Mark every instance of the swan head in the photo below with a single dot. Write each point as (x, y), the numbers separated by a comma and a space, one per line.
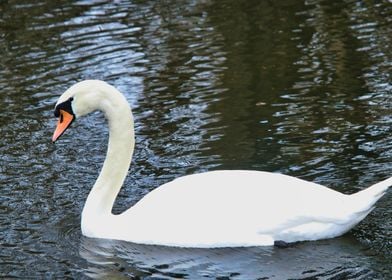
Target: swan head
(79, 100)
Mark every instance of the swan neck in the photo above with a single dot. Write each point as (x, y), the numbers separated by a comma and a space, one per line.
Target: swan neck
(118, 157)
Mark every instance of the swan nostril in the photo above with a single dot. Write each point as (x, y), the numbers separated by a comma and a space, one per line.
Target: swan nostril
(61, 118)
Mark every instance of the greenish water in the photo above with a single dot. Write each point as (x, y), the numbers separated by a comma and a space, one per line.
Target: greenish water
(297, 87)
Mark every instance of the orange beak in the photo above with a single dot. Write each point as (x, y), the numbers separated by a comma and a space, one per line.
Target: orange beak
(63, 123)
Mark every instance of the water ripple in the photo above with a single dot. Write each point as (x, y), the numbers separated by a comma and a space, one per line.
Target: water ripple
(299, 87)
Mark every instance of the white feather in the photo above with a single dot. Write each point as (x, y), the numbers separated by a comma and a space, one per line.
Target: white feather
(212, 209)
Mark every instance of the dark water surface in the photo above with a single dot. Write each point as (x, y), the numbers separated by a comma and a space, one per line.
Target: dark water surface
(298, 87)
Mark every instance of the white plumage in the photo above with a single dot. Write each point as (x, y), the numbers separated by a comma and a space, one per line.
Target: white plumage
(212, 209)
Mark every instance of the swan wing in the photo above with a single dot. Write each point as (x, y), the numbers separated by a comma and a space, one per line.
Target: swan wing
(232, 205)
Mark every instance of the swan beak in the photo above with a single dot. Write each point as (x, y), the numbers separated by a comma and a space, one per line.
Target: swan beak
(65, 120)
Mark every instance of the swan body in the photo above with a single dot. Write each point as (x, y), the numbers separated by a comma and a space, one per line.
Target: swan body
(228, 208)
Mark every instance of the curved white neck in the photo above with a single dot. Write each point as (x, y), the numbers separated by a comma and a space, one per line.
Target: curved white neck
(118, 158)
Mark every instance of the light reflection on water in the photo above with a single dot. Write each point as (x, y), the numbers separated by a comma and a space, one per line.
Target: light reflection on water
(301, 88)
(333, 258)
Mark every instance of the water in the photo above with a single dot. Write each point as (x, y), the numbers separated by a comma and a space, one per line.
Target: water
(302, 88)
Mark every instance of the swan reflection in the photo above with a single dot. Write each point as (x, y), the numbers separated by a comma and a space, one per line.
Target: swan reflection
(344, 257)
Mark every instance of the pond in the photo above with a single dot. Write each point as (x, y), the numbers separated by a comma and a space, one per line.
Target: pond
(296, 87)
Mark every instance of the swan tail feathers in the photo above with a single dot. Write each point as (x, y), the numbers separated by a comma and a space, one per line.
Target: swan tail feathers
(365, 199)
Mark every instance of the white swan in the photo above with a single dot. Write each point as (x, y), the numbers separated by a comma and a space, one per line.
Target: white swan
(212, 209)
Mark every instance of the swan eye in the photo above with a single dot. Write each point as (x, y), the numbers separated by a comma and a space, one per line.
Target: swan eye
(65, 106)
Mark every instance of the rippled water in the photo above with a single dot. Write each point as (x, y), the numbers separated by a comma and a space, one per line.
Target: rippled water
(298, 87)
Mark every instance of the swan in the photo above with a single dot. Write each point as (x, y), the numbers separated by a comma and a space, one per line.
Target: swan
(227, 208)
